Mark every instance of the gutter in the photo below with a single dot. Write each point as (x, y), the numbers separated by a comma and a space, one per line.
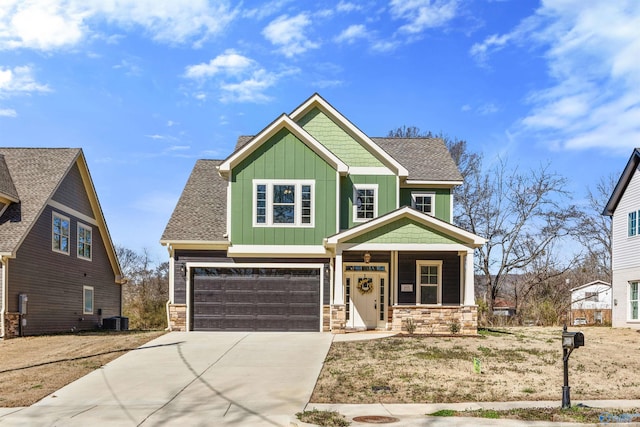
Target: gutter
(3, 303)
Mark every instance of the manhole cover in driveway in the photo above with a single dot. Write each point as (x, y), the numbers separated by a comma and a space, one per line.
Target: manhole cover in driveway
(376, 419)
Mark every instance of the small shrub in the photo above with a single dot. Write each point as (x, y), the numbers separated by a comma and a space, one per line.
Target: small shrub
(410, 326)
(454, 327)
(323, 418)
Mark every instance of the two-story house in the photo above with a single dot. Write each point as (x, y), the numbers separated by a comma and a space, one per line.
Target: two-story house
(591, 304)
(58, 268)
(624, 209)
(312, 225)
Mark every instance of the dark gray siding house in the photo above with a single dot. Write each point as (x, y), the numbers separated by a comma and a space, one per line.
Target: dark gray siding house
(59, 269)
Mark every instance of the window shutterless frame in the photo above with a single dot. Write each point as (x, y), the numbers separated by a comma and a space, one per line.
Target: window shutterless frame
(424, 202)
(60, 233)
(85, 242)
(365, 202)
(283, 203)
(87, 300)
(633, 301)
(429, 282)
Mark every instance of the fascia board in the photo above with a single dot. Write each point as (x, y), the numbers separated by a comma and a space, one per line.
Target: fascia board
(282, 122)
(317, 101)
(622, 184)
(195, 244)
(443, 184)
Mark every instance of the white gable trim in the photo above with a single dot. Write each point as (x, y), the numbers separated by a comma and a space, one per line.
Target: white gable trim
(317, 101)
(283, 122)
(428, 220)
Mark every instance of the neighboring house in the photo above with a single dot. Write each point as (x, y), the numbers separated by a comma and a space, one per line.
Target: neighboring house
(591, 304)
(59, 270)
(503, 307)
(624, 209)
(312, 225)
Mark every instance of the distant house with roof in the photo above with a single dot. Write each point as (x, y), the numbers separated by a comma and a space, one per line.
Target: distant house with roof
(58, 266)
(624, 209)
(591, 304)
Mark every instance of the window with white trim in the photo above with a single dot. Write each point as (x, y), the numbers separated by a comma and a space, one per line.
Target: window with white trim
(633, 300)
(365, 202)
(424, 202)
(429, 280)
(633, 224)
(283, 203)
(60, 233)
(85, 242)
(87, 300)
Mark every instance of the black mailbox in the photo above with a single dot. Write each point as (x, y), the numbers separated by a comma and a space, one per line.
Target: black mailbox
(572, 340)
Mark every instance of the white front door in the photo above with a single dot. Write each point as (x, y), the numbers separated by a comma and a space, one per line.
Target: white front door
(365, 295)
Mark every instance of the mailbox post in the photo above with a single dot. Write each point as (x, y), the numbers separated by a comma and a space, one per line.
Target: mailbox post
(570, 341)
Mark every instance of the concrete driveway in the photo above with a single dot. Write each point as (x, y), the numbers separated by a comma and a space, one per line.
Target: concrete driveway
(191, 379)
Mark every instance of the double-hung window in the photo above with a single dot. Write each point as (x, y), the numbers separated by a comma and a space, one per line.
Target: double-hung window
(365, 202)
(429, 278)
(85, 242)
(60, 233)
(633, 300)
(87, 300)
(424, 202)
(633, 224)
(283, 203)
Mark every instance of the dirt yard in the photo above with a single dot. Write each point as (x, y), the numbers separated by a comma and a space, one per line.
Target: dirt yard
(516, 364)
(34, 367)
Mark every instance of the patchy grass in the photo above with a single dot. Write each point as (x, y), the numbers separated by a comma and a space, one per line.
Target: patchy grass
(516, 364)
(323, 418)
(34, 367)
(576, 414)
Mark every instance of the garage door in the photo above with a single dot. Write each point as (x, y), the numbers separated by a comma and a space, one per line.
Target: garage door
(256, 299)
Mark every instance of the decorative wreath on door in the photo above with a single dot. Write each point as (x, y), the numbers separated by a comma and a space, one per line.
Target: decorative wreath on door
(365, 285)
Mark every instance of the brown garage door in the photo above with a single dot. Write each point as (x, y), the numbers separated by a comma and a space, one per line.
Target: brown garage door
(256, 299)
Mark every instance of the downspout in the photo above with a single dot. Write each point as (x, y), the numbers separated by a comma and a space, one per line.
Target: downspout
(171, 285)
(3, 303)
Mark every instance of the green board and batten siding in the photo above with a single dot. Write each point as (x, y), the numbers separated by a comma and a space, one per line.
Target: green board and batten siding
(403, 231)
(386, 195)
(339, 142)
(285, 157)
(443, 200)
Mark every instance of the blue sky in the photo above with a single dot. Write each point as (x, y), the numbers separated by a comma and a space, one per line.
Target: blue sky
(146, 87)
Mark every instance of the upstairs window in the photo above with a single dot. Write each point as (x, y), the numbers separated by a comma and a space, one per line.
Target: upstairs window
(591, 296)
(60, 233)
(424, 202)
(365, 202)
(283, 203)
(85, 242)
(633, 223)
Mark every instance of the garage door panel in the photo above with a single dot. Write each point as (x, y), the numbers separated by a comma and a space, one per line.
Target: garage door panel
(278, 300)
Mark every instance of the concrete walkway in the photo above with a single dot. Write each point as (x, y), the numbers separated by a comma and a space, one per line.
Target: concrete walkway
(191, 379)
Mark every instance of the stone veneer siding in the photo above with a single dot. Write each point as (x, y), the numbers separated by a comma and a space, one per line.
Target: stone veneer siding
(12, 325)
(178, 317)
(338, 318)
(436, 320)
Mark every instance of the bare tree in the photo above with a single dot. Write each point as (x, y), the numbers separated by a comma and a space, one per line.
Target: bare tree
(522, 216)
(147, 289)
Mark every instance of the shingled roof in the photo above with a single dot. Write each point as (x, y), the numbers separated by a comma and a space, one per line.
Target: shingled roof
(36, 174)
(201, 212)
(426, 159)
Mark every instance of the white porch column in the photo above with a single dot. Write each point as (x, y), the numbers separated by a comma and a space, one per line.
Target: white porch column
(338, 292)
(469, 297)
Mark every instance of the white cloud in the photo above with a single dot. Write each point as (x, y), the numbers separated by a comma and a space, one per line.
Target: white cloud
(345, 6)
(47, 25)
(423, 14)
(252, 89)
(19, 80)
(8, 112)
(288, 33)
(352, 33)
(229, 62)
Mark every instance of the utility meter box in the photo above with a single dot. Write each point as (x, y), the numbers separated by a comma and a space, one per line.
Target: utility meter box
(572, 339)
(22, 304)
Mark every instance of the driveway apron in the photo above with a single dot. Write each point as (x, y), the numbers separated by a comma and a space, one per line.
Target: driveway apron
(192, 379)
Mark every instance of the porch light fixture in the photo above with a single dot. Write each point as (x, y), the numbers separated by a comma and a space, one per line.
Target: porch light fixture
(367, 257)
(183, 270)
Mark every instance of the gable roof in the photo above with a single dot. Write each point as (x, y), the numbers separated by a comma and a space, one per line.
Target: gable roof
(37, 173)
(282, 122)
(623, 182)
(426, 159)
(595, 282)
(201, 212)
(316, 101)
(7, 188)
(429, 221)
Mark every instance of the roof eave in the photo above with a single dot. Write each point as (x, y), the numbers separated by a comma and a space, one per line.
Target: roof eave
(621, 186)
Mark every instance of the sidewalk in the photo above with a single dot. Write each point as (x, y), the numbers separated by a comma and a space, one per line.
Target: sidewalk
(411, 415)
